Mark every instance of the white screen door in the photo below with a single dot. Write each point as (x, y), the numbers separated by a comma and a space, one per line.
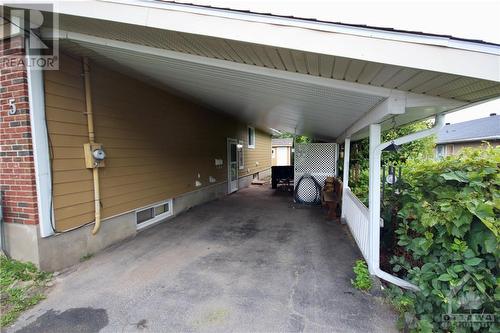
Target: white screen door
(232, 165)
(282, 156)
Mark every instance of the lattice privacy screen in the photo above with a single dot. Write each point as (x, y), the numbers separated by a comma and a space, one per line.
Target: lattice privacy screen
(316, 159)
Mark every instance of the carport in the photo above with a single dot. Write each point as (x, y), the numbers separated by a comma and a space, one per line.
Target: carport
(332, 81)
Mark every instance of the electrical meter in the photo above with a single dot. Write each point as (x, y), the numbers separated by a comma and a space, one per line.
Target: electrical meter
(94, 155)
(99, 154)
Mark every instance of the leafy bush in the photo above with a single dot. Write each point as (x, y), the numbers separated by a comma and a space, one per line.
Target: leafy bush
(363, 280)
(449, 239)
(360, 187)
(416, 150)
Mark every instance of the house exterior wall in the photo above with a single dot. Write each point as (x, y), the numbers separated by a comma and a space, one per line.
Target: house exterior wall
(256, 159)
(450, 149)
(156, 144)
(17, 168)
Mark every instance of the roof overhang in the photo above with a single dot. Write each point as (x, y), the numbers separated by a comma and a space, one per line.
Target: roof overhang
(400, 49)
(264, 97)
(324, 80)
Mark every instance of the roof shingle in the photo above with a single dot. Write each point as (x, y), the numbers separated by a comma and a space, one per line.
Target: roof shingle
(282, 142)
(472, 130)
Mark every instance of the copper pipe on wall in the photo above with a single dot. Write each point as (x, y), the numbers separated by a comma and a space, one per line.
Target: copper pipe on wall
(90, 125)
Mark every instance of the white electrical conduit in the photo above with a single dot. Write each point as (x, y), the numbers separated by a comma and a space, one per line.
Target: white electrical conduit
(90, 124)
(375, 165)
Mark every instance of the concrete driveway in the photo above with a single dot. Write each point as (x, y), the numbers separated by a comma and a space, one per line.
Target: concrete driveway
(251, 262)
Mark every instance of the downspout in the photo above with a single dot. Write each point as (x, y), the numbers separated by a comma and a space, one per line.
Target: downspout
(375, 165)
(3, 248)
(90, 124)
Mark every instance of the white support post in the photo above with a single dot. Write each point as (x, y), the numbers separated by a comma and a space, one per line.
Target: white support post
(337, 154)
(374, 199)
(347, 153)
(345, 178)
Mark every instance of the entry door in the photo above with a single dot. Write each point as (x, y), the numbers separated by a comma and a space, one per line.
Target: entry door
(282, 156)
(232, 165)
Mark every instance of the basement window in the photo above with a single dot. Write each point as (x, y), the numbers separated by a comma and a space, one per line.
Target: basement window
(144, 215)
(251, 137)
(153, 214)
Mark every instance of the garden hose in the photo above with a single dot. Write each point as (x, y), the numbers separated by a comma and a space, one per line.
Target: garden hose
(317, 188)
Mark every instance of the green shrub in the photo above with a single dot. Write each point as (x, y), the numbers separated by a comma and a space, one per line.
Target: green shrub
(416, 150)
(363, 280)
(449, 233)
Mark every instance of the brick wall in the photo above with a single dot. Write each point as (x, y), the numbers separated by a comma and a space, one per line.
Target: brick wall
(17, 169)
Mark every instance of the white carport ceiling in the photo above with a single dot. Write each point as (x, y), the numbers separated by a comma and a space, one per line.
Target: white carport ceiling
(371, 73)
(263, 101)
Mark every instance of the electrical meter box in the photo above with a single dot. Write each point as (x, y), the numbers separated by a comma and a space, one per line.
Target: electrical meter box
(94, 155)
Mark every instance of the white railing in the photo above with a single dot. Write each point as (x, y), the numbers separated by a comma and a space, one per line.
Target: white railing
(357, 217)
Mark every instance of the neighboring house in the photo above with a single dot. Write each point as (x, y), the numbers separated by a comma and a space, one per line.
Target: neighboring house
(281, 151)
(452, 138)
(159, 106)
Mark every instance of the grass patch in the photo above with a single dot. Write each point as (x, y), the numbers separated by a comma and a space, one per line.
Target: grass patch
(86, 257)
(21, 287)
(363, 280)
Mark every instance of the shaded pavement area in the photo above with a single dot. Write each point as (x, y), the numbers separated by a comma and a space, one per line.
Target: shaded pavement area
(250, 262)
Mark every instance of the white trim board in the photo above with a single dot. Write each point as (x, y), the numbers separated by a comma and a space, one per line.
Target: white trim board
(373, 32)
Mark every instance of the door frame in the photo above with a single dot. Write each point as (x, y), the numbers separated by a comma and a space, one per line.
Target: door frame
(229, 188)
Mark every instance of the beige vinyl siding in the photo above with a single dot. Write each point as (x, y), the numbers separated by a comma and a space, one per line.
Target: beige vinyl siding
(261, 154)
(459, 146)
(156, 143)
(456, 147)
(67, 126)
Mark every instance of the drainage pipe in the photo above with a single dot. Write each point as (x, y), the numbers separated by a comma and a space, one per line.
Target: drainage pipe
(3, 247)
(375, 165)
(90, 124)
